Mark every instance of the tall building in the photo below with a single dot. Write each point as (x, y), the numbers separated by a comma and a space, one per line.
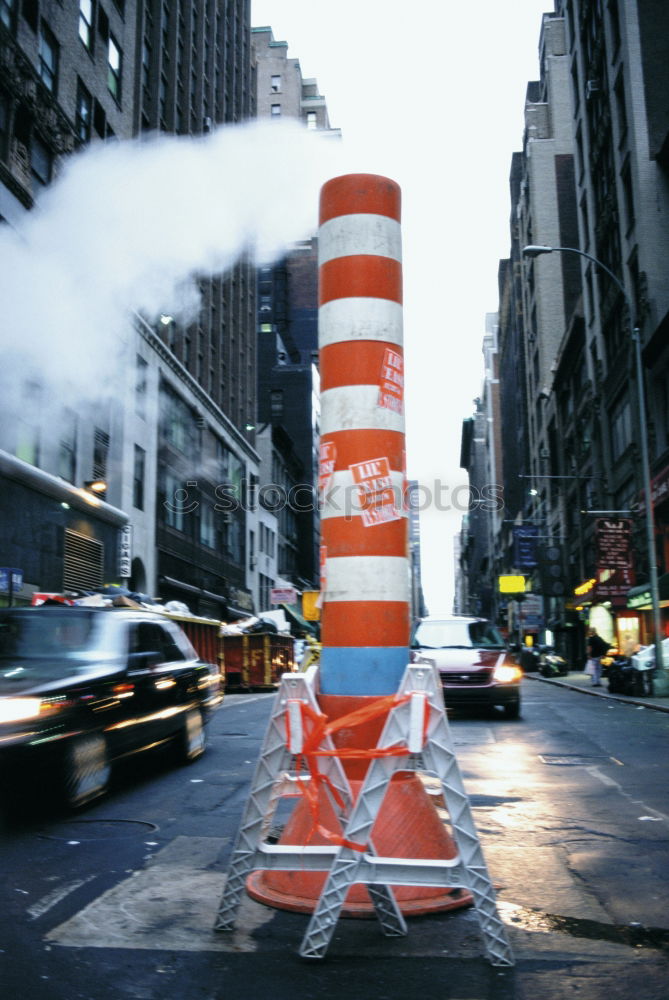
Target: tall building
(175, 444)
(592, 177)
(288, 382)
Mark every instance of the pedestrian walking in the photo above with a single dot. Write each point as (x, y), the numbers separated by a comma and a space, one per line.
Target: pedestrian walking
(596, 648)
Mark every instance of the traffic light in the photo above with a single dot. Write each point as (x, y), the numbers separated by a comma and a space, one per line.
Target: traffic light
(551, 570)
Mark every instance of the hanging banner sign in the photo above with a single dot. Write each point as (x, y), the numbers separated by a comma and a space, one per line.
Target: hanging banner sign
(125, 552)
(391, 383)
(375, 491)
(326, 466)
(614, 543)
(525, 541)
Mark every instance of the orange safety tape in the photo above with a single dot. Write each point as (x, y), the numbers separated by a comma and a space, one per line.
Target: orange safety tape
(314, 735)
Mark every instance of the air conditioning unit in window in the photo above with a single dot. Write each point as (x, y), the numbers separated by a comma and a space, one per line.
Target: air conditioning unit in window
(591, 87)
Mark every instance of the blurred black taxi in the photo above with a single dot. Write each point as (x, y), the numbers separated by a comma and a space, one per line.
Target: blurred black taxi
(82, 687)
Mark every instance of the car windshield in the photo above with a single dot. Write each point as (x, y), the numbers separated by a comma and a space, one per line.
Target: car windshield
(43, 642)
(457, 635)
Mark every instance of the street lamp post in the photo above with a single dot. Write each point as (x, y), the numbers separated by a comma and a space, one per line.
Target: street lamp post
(661, 676)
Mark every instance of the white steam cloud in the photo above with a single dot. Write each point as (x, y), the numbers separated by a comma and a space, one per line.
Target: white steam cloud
(127, 225)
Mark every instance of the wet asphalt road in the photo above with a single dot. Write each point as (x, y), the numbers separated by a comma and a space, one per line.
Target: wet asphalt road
(571, 804)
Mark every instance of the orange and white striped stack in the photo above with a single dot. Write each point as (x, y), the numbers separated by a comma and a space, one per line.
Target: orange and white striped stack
(364, 556)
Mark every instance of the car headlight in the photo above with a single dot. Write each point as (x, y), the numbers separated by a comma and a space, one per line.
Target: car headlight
(19, 709)
(24, 709)
(505, 674)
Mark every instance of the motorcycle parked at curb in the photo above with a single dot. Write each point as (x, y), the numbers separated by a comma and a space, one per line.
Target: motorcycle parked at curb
(551, 664)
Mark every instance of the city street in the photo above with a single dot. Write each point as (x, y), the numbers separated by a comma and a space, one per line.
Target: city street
(572, 810)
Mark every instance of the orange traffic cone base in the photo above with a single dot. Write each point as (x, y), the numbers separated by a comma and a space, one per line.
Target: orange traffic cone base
(407, 826)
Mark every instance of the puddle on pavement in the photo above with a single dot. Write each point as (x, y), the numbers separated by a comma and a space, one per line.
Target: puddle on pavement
(632, 935)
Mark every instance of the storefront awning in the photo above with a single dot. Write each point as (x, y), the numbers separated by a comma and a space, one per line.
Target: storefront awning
(295, 618)
(639, 597)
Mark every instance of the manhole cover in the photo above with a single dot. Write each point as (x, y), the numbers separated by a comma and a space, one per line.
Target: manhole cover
(573, 759)
(99, 829)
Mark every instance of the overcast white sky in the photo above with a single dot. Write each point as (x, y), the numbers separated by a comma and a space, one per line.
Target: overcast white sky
(430, 93)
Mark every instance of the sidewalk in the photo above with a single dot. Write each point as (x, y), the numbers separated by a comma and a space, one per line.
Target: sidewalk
(579, 681)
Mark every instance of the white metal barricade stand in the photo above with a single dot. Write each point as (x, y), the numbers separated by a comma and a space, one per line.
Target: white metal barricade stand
(417, 722)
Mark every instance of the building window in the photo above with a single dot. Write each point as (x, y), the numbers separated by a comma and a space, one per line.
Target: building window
(141, 384)
(276, 110)
(173, 507)
(615, 25)
(4, 125)
(86, 23)
(312, 120)
(83, 113)
(146, 64)
(41, 160)
(276, 403)
(662, 402)
(207, 528)
(8, 13)
(27, 441)
(621, 428)
(139, 472)
(114, 63)
(67, 449)
(276, 83)
(100, 454)
(48, 58)
(628, 195)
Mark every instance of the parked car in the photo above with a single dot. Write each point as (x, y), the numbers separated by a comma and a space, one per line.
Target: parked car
(475, 665)
(82, 687)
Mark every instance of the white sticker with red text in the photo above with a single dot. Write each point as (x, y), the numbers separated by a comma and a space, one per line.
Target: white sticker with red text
(326, 467)
(391, 382)
(376, 494)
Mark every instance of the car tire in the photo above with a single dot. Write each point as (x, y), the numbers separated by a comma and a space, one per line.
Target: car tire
(86, 769)
(192, 738)
(512, 710)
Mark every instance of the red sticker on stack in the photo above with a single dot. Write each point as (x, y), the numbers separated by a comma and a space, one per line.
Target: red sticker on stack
(323, 562)
(326, 467)
(375, 491)
(391, 382)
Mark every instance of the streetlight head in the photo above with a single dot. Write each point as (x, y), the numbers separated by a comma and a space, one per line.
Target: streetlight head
(536, 251)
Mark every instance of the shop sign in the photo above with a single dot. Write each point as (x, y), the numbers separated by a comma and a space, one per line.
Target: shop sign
(511, 584)
(525, 542)
(125, 552)
(614, 543)
(11, 580)
(531, 614)
(613, 585)
(637, 601)
(283, 595)
(311, 605)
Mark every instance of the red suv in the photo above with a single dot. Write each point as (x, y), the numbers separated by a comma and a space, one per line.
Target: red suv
(473, 660)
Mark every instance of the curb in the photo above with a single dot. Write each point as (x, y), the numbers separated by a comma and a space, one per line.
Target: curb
(623, 699)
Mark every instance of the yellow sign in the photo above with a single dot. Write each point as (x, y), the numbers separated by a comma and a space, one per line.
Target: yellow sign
(584, 588)
(511, 584)
(311, 611)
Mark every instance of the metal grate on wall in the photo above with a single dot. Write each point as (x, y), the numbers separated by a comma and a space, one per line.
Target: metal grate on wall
(83, 562)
